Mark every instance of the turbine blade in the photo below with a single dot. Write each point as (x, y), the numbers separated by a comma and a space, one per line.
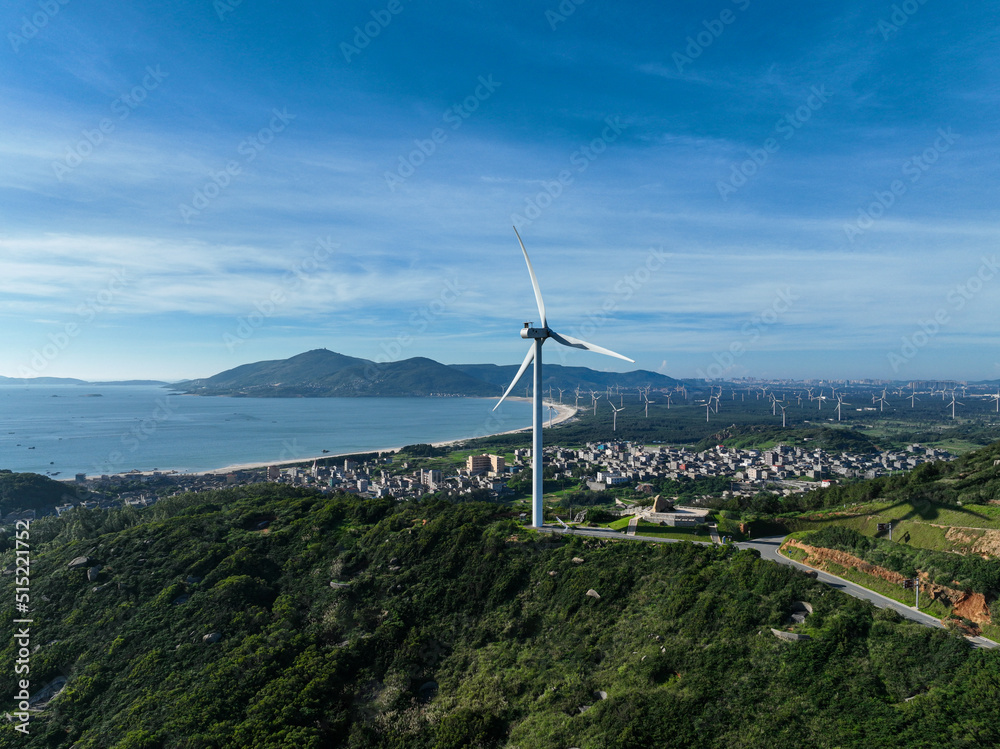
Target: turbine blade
(534, 280)
(524, 366)
(566, 340)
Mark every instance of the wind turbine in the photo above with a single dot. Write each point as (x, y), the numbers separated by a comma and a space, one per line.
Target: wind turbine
(952, 404)
(997, 399)
(840, 402)
(614, 427)
(782, 407)
(648, 401)
(538, 336)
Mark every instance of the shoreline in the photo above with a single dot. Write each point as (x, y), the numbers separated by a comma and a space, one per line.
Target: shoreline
(563, 413)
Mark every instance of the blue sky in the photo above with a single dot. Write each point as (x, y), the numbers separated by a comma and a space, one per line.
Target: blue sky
(731, 188)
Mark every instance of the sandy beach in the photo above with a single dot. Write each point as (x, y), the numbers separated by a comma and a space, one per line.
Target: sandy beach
(562, 414)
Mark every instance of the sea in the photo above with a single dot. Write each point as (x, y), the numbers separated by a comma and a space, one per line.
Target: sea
(63, 430)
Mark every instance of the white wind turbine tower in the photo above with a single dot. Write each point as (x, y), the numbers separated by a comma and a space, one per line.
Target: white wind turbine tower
(596, 398)
(538, 336)
(913, 397)
(997, 399)
(648, 401)
(552, 412)
(577, 397)
(952, 404)
(840, 402)
(614, 427)
(782, 407)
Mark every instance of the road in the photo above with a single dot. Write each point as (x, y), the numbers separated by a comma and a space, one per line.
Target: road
(768, 547)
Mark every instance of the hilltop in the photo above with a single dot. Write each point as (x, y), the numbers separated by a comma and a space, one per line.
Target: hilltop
(276, 617)
(324, 373)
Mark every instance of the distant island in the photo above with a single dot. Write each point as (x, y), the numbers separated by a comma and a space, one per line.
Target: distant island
(324, 373)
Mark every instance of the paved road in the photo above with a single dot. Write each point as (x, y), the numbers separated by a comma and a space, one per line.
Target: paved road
(768, 549)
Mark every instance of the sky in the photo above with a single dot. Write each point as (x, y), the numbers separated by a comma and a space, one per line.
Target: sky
(736, 188)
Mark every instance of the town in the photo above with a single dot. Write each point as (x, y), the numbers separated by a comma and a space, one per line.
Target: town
(783, 470)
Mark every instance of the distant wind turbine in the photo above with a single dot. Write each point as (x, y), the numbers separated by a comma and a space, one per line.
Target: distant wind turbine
(538, 336)
(614, 427)
(952, 404)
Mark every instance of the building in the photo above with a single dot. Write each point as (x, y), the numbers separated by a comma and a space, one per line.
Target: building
(485, 464)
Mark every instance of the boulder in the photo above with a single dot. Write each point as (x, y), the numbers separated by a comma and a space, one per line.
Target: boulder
(577, 560)
(93, 572)
(594, 594)
(212, 638)
(789, 636)
(79, 562)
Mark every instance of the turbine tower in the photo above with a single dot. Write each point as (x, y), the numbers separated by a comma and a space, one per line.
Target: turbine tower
(538, 336)
(614, 428)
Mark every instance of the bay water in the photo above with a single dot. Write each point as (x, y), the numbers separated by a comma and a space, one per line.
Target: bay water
(62, 430)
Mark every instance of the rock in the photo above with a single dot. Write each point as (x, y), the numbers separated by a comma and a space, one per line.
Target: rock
(577, 560)
(552, 573)
(601, 695)
(802, 606)
(339, 585)
(594, 594)
(79, 562)
(213, 638)
(790, 636)
(93, 572)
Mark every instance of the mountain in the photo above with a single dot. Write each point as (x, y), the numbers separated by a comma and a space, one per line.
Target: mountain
(324, 373)
(71, 381)
(568, 378)
(41, 381)
(268, 616)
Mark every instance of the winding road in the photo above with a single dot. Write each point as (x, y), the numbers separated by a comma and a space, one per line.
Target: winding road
(768, 547)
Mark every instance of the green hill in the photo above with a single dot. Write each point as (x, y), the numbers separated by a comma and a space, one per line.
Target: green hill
(329, 374)
(31, 491)
(326, 373)
(272, 617)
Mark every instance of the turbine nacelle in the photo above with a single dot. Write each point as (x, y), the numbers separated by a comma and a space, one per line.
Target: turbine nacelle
(527, 332)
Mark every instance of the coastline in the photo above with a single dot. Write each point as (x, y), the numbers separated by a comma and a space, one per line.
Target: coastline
(563, 413)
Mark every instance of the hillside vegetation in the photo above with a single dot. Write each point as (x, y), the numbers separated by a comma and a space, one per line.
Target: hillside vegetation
(451, 626)
(31, 491)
